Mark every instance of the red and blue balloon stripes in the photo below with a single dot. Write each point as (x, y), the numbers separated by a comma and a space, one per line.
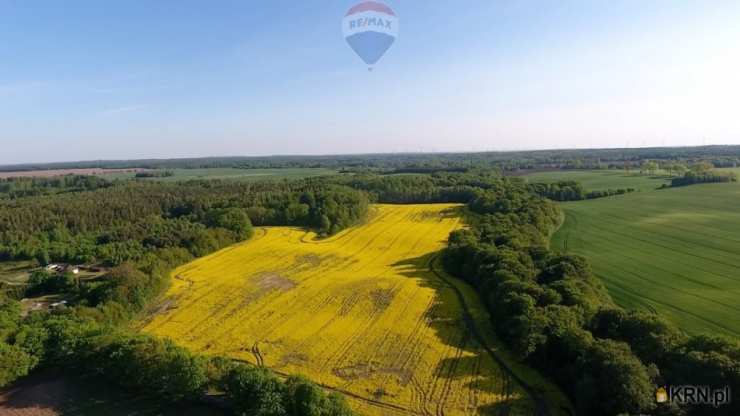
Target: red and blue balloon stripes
(370, 28)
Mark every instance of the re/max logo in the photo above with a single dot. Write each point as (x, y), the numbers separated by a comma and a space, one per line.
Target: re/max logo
(371, 22)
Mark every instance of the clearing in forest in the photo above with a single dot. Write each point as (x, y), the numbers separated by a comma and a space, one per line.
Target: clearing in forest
(361, 313)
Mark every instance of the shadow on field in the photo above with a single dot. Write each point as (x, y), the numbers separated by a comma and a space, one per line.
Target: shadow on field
(514, 405)
(455, 326)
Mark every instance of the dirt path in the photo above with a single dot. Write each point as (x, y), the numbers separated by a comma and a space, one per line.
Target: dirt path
(51, 173)
(541, 408)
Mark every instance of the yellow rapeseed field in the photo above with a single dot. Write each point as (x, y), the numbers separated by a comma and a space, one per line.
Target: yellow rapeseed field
(360, 313)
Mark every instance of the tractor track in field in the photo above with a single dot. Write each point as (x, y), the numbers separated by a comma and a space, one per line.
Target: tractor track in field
(258, 354)
(671, 306)
(189, 282)
(667, 247)
(449, 377)
(541, 408)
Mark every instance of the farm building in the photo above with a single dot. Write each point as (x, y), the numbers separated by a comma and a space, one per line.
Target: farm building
(62, 268)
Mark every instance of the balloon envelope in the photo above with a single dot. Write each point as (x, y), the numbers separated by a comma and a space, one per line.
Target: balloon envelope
(370, 29)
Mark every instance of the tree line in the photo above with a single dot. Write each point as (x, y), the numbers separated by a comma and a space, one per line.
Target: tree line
(572, 191)
(710, 176)
(559, 318)
(154, 174)
(150, 366)
(129, 220)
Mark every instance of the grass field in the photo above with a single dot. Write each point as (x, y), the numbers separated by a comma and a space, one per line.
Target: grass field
(597, 180)
(16, 272)
(360, 313)
(673, 251)
(234, 174)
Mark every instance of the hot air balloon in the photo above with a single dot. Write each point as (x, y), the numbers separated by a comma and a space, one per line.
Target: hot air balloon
(370, 28)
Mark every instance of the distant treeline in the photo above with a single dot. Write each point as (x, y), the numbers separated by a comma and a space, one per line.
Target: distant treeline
(455, 187)
(155, 174)
(428, 169)
(712, 176)
(719, 156)
(572, 191)
(408, 189)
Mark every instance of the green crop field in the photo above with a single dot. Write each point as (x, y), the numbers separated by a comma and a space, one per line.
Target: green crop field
(673, 251)
(234, 174)
(597, 180)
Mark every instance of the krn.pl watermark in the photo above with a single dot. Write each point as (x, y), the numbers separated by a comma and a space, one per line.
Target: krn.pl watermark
(694, 395)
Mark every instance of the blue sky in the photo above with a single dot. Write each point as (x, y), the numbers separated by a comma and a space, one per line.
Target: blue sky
(86, 80)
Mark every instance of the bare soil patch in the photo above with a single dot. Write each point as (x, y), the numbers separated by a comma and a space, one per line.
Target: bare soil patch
(364, 370)
(51, 394)
(274, 281)
(64, 172)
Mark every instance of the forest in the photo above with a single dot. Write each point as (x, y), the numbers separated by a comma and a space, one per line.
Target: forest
(710, 176)
(572, 191)
(125, 222)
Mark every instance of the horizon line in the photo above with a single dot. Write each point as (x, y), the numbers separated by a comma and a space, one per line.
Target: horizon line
(327, 155)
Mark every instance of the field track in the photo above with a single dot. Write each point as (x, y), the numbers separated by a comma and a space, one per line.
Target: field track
(363, 313)
(541, 406)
